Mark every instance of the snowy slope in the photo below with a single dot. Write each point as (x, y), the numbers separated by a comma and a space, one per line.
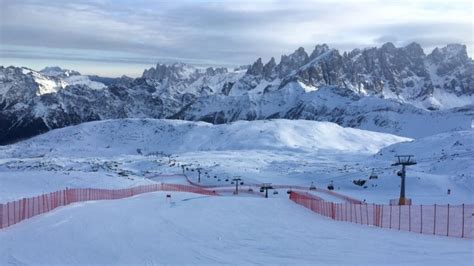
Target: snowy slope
(115, 137)
(121, 153)
(192, 229)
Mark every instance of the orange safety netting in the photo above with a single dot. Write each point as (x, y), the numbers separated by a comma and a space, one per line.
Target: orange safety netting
(445, 220)
(17, 211)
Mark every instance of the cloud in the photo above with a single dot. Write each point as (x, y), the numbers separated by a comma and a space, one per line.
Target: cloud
(225, 32)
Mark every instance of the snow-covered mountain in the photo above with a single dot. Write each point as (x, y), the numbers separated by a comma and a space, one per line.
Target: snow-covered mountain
(125, 136)
(386, 89)
(389, 89)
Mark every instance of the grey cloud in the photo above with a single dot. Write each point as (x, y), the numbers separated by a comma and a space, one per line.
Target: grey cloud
(207, 31)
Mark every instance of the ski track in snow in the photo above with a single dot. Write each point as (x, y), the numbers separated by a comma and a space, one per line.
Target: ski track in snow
(215, 230)
(222, 230)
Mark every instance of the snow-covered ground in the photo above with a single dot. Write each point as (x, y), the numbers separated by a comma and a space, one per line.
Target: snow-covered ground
(122, 153)
(194, 229)
(148, 229)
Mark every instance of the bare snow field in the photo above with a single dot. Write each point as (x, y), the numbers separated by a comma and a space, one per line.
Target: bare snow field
(249, 229)
(123, 153)
(194, 229)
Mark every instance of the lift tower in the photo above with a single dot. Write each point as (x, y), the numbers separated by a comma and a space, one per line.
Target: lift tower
(199, 174)
(265, 187)
(237, 180)
(403, 160)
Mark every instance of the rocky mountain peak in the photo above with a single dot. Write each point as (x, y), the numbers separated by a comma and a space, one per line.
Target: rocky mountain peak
(323, 86)
(288, 63)
(55, 71)
(451, 52)
(210, 71)
(268, 69)
(414, 50)
(388, 47)
(319, 50)
(256, 68)
(172, 72)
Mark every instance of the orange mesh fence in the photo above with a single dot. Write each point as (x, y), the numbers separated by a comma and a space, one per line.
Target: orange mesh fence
(17, 211)
(444, 220)
(325, 191)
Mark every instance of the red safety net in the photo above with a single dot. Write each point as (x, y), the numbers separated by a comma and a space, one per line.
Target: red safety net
(17, 211)
(445, 220)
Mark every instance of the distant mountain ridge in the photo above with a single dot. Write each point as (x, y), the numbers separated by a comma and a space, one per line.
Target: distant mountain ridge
(388, 89)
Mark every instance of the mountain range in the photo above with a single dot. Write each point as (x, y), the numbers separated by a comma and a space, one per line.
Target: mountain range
(401, 91)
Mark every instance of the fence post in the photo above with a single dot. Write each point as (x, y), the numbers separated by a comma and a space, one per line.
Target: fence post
(390, 224)
(462, 230)
(1, 215)
(409, 218)
(367, 212)
(421, 215)
(373, 214)
(399, 216)
(381, 218)
(447, 226)
(434, 221)
(332, 211)
(24, 208)
(8, 213)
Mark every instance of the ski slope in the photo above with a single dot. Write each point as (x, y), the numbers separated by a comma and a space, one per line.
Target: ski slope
(194, 229)
(124, 153)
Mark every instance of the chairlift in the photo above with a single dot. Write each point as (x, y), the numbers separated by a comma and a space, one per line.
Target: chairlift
(219, 180)
(275, 192)
(250, 189)
(241, 183)
(288, 192)
(261, 189)
(227, 180)
(373, 175)
(232, 183)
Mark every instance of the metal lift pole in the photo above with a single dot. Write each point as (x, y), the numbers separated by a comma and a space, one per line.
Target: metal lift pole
(236, 179)
(403, 160)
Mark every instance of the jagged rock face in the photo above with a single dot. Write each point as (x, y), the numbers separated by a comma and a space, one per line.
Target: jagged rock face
(319, 50)
(27, 109)
(455, 69)
(375, 89)
(17, 88)
(25, 112)
(269, 69)
(291, 62)
(58, 72)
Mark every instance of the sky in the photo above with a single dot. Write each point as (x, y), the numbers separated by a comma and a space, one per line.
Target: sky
(117, 37)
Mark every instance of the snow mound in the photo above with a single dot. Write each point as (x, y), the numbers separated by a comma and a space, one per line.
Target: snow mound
(447, 153)
(144, 136)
